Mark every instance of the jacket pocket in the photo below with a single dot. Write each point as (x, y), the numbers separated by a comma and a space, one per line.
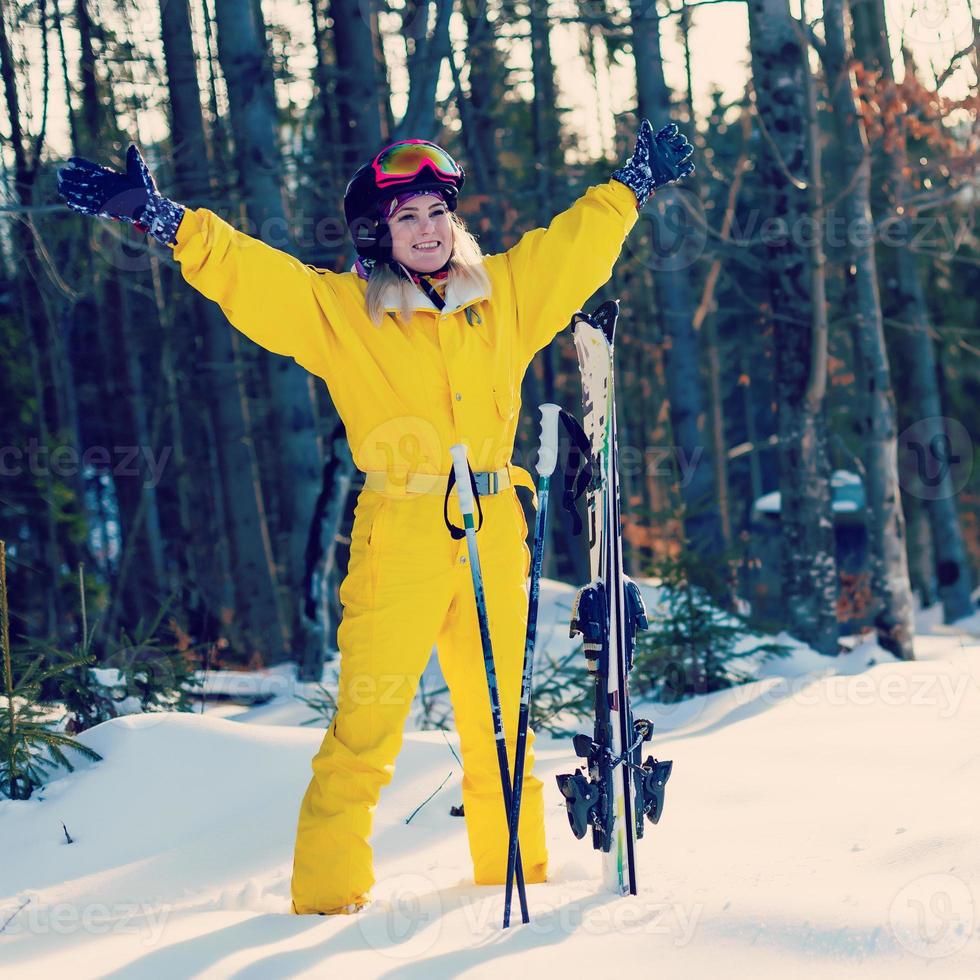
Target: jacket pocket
(367, 539)
(506, 394)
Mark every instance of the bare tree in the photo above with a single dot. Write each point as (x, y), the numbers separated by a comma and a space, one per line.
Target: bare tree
(45, 315)
(427, 51)
(252, 109)
(359, 89)
(952, 567)
(703, 318)
(886, 522)
(360, 123)
(675, 301)
(92, 111)
(809, 573)
(478, 108)
(236, 481)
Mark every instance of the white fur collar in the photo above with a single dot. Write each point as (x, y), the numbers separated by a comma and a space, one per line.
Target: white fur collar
(458, 296)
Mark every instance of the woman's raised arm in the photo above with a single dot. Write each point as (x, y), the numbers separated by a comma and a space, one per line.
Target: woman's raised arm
(556, 269)
(270, 296)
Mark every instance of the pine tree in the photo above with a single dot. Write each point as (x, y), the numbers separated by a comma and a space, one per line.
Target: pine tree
(29, 743)
(693, 645)
(152, 671)
(86, 700)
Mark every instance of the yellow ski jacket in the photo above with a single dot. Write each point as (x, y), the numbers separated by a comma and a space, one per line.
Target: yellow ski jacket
(407, 391)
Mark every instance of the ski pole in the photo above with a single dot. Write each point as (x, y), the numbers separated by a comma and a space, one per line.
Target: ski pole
(547, 457)
(464, 489)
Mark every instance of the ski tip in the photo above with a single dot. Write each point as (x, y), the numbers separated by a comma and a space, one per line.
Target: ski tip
(603, 318)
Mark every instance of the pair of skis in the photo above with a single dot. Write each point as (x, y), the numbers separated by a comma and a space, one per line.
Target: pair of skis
(617, 790)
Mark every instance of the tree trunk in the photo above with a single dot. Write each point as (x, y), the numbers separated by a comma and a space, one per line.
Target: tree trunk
(809, 574)
(258, 621)
(328, 125)
(921, 564)
(139, 588)
(885, 520)
(480, 130)
(252, 108)
(952, 567)
(703, 318)
(92, 112)
(220, 144)
(676, 304)
(424, 65)
(363, 123)
(65, 80)
(546, 134)
(51, 367)
(358, 83)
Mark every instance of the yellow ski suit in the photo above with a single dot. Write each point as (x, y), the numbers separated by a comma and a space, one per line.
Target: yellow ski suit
(406, 392)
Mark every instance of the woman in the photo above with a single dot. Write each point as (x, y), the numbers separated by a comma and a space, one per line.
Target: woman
(422, 345)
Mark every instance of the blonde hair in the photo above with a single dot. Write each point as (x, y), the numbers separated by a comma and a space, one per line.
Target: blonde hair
(465, 268)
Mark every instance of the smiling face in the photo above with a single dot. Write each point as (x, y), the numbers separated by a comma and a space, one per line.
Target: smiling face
(422, 234)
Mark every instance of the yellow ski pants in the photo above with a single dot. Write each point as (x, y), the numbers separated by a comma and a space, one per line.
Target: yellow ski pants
(408, 588)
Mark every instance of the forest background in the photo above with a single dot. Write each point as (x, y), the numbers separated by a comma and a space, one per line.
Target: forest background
(798, 355)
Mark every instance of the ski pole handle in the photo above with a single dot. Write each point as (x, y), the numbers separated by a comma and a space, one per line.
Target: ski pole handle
(548, 453)
(464, 488)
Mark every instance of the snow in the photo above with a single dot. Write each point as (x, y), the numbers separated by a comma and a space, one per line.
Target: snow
(847, 495)
(821, 818)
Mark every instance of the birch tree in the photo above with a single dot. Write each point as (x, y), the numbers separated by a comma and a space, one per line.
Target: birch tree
(909, 300)
(885, 520)
(809, 573)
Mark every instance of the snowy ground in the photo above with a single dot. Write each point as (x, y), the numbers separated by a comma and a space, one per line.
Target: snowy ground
(822, 818)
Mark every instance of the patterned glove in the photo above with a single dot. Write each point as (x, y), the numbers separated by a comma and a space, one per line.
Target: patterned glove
(131, 197)
(656, 160)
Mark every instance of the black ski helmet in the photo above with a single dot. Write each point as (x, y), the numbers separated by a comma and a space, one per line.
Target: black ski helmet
(437, 172)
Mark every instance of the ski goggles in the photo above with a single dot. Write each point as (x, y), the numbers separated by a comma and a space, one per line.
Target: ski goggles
(403, 161)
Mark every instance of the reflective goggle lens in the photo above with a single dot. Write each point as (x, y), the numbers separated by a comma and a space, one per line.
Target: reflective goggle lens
(407, 159)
